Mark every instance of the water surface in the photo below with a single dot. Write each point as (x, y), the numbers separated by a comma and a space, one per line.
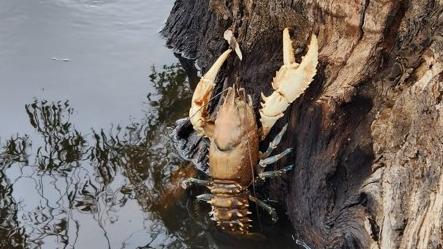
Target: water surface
(96, 53)
(88, 96)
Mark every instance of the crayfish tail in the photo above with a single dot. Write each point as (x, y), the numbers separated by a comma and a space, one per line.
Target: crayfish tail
(230, 208)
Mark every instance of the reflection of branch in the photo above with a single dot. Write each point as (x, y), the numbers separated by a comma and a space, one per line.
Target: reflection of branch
(14, 151)
(63, 144)
(12, 235)
(91, 169)
(100, 224)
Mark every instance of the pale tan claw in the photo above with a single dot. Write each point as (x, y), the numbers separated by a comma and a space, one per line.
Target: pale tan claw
(232, 41)
(198, 114)
(289, 83)
(288, 51)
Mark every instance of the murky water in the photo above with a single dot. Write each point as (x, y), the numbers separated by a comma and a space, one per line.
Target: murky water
(85, 156)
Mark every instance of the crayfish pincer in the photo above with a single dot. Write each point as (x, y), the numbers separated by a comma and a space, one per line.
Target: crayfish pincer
(235, 161)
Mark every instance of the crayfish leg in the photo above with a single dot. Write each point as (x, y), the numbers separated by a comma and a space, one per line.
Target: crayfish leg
(275, 142)
(270, 160)
(194, 181)
(275, 173)
(205, 197)
(271, 211)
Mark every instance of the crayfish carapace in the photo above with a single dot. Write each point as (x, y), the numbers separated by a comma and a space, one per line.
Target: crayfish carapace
(235, 161)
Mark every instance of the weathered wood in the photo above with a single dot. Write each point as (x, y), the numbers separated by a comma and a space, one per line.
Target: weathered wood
(368, 134)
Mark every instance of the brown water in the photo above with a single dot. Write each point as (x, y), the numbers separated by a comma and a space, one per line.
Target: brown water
(86, 159)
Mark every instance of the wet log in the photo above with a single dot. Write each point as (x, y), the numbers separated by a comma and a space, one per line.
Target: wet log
(368, 134)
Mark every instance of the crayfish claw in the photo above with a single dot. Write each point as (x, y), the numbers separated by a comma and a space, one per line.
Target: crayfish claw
(232, 41)
(288, 50)
(289, 83)
(215, 68)
(198, 113)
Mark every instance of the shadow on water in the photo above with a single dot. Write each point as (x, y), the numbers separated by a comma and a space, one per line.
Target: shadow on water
(114, 188)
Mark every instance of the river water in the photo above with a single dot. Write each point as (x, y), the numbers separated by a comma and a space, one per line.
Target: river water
(88, 96)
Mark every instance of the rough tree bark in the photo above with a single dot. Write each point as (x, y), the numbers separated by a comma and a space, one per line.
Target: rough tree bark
(368, 134)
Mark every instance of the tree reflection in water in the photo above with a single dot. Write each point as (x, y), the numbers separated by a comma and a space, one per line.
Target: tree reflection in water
(115, 188)
(11, 234)
(49, 191)
(63, 145)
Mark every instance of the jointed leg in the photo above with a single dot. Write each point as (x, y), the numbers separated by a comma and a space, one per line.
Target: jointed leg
(271, 211)
(194, 181)
(280, 172)
(204, 197)
(302, 243)
(266, 161)
(274, 143)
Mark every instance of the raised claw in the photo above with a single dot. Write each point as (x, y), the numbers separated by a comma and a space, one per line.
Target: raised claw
(198, 113)
(232, 41)
(289, 83)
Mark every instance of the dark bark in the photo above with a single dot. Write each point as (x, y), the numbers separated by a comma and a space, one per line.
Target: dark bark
(368, 133)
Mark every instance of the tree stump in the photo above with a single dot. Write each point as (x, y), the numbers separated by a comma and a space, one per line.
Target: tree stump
(368, 134)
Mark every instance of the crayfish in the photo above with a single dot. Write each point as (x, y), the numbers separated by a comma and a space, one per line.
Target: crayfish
(235, 161)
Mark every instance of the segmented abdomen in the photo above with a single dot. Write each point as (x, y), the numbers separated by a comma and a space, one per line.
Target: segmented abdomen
(230, 204)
